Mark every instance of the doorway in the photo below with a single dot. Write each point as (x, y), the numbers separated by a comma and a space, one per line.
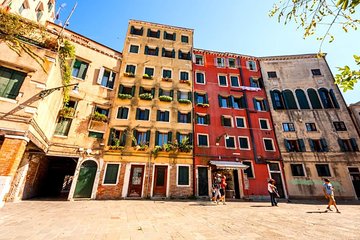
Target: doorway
(203, 181)
(275, 173)
(236, 184)
(160, 180)
(136, 180)
(355, 178)
(86, 178)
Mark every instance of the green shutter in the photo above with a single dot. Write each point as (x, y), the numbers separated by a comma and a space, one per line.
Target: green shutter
(178, 95)
(354, 144)
(174, 36)
(220, 102)
(156, 138)
(180, 54)
(171, 93)
(158, 34)
(160, 92)
(178, 136)
(173, 53)
(222, 120)
(167, 115)
(341, 144)
(146, 52)
(135, 139)
(190, 138)
(158, 115)
(137, 114)
(207, 117)
(148, 137)
(111, 135)
(123, 139)
(311, 143)
(157, 51)
(169, 136)
(286, 143)
(272, 93)
(147, 112)
(190, 96)
(206, 98)
(189, 117)
(302, 145)
(121, 89)
(163, 52)
(324, 145)
(254, 101)
(231, 101)
(153, 92)
(196, 97)
(141, 90)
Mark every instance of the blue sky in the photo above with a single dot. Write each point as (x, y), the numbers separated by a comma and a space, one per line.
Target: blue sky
(227, 25)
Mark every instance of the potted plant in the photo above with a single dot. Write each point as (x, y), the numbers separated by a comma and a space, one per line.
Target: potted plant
(204, 105)
(116, 145)
(166, 79)
(124, 96)
(147, 76)
(156, 150)
(99, 117)
(185, 101)
(67, 112)
(146, 96)
(184, 145)
(129, 74)
(185, 81)
(141, 147)
(165, 98)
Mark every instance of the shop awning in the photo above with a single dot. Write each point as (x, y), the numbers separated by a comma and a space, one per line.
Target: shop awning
(228, 165)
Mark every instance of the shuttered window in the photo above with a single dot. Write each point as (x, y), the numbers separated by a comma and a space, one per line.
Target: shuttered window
(183, 175)
(111, 173)
(10, 82)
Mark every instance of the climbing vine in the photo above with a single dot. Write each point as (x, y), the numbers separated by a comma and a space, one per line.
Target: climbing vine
(66, 56)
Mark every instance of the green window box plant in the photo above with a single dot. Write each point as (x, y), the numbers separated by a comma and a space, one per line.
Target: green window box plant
(165, 98)
(146, 96)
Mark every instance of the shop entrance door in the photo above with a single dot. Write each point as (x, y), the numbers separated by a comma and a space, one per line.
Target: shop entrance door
(355, 178)
(160, 180)
(85, 181)
(275, 173)
(203, 181)
(136, 181)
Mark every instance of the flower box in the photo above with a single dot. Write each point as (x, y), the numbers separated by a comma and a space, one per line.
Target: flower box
(98, 126)
(116, 148)
(129, 74)
(165, 98)
(124, 96)
(185, 81)
(185, 101)
(67, 112)
(146, 76)
(204, 105)
(167, 79)
(99, 117)
(146, 96)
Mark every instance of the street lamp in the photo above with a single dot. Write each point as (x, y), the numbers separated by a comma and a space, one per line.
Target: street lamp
(40, 95)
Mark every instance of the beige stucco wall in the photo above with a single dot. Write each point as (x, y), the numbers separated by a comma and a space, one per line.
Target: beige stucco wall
(355, 111)
(293, 73)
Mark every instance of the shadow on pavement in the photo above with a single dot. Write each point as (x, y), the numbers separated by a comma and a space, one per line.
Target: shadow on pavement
(318, 212)
(260, 206)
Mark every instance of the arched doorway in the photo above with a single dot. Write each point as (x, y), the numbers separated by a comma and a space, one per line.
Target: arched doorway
(85, 181)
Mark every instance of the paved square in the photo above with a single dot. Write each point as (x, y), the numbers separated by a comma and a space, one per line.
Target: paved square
(126, 219)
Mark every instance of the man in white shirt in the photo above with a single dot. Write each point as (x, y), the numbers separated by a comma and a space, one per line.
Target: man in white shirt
(329, 194)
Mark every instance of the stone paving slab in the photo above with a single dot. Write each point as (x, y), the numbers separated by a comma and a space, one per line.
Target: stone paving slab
(141, 219)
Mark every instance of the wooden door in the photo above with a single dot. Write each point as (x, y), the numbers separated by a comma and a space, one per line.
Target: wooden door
(160, 180)
(355, 178)
(85, 181)
(203, 181)
(136, 181)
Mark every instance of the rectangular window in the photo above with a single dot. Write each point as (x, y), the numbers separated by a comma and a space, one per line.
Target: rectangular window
(136, 31)
(162, 116)
(203, 140)
(272, 74)
(169, 36)
(269, 144)
(294, 145)
(239, 102)
(183, 176)
(184, 117)
(339, 126)
(199, 60)
(200, 78)
(297, 170)
(111, 173)
(310, 127)
(184, 76)
(226, 121)
(127, 90)
(234, 81)
(220, 62)
(169, 53)
(251, 65)
(260, 105)
(184, 39)
(162, 138)
(142, 114)
(10, 82)
(79, 69)
(230, 142)
(222, 80)
(130, 69)
(62, 126)
(117, 138)
(201, 98)
(323, 170)
(255, 83)
(203, 119)
(142, 137)
(288, 127)
(153, 33)
(249, 171)
(240, 122)
(107, 78)
(264, 124)
(97, 135)
(244, 143)
(348, 145)
(152, 51)
(184, 55)
(102, 111)
(134, 49)
(232, 62)
(123, 113)
(316, 72)
(167, 73)
(225, 102)
(318, 145)
(149, 71)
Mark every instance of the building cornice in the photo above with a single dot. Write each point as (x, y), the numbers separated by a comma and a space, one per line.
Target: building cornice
(151, 24)
(227, 54)
(289, 57)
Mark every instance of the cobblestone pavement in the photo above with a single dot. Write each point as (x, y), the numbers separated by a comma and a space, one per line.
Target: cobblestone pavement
(127, 219)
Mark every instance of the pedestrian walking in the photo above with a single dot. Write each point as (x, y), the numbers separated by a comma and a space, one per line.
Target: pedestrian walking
(273, 192)
(222, 189)
(216, 195)
(329, 194)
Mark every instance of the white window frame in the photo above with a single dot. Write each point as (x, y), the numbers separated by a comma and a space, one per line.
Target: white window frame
(252, 169)
(180, 71)
(134, 64)
(169, 69)
(248, 65)
(196, 77)
(223, 62)
(234, 142)
(101, 74)
(267, 123)
(127, 115)
(244, 122)
(82, 60)
(177, 175)
(272, 142)
(203, 115)
(153, 67)
(118, 174)
(144, 108)
(226, 79)
(249, 148)
(203, 61)
(330, 170)
(238, 79)
(303, 166)
(228, 63)
(134, 45)
(231, 120)
(203, 134)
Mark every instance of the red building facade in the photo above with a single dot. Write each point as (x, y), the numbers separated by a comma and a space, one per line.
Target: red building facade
(233, 130)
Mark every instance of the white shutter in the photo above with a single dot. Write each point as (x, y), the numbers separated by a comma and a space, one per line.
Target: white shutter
(101, 74)
(111, 77)
(215, 62)
(247, 65)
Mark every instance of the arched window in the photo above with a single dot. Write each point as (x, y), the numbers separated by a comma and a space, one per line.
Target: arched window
(290, 102)
(333, 99)
(314, 99)
(302, 100)
(277, 99)
(325, 98)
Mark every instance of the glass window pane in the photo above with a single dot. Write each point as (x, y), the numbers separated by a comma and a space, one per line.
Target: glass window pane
(111, 174)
